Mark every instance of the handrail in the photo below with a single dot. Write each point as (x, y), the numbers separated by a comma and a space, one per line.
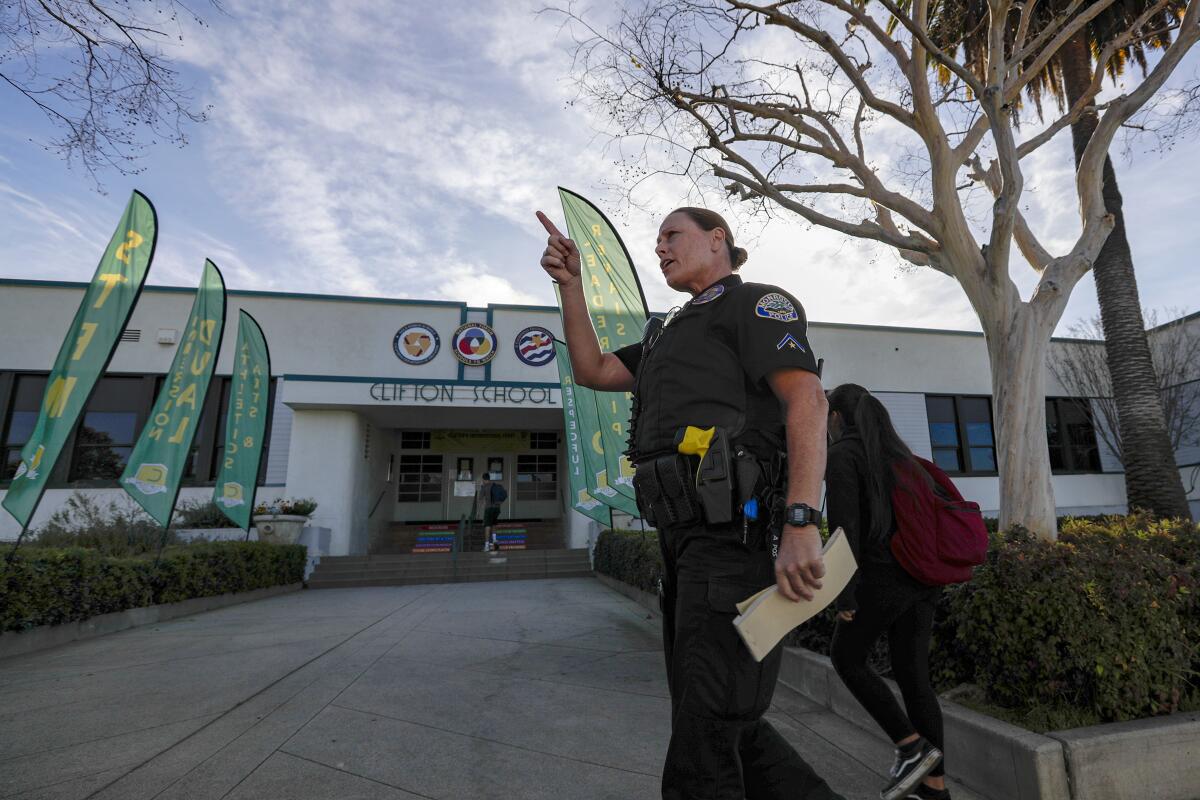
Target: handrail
(375, 507)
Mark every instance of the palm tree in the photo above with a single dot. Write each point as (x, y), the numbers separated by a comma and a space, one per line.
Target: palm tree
(1152, 479)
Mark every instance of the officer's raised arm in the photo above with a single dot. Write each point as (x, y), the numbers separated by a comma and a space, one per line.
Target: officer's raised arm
(592, 367)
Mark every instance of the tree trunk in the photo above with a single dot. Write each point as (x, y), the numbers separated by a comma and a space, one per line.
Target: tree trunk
(1017, 347)
(1152, 480)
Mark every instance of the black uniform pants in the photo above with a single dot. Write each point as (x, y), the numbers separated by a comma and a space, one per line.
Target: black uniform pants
(721, 748)
(892, 603)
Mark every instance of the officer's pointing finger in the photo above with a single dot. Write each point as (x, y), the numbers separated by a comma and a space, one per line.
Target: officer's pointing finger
(549, 226)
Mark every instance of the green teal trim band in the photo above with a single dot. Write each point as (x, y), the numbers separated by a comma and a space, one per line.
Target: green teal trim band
(417, 381)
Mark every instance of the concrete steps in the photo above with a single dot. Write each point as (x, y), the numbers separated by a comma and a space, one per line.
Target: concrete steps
(334, 572)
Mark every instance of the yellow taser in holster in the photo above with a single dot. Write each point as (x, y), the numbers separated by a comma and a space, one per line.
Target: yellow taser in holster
(714, 478)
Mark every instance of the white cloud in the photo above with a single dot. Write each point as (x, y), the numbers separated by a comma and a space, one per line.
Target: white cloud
(478, 288)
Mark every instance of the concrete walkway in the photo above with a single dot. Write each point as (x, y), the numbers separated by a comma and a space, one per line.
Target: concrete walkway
(522, 689)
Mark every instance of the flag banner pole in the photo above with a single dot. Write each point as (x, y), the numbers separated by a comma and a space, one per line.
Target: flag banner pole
(584, 465)
(245, 424)
(85, 353)
(617, 307)
(156, 467)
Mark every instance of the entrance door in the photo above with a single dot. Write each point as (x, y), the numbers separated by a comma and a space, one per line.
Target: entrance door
(464, 483)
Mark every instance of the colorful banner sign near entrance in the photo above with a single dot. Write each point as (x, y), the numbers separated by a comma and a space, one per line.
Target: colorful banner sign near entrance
(107, 305)
(618, 310)
(245, 424)
(160, 457)
(587, 470)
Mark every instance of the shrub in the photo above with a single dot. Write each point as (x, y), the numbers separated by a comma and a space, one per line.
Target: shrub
(50, 586)
(120, 528)
(632, 557)
(200, 514)
(1104, 620)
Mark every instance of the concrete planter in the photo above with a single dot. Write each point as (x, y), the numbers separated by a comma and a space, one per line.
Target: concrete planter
(279, 528)
(1157, 757)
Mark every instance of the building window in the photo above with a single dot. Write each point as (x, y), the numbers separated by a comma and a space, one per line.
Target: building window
(543, 440)
(109, 429)
(419, 479)
(537, 477)
(27, 401)
(224, 386)
(961, 434)
(414, 440)
(1071, 436)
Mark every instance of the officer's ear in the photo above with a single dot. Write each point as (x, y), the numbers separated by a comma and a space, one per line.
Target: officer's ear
(716, 239)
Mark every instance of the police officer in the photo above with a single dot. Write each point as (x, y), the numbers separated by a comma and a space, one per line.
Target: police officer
(735, 357)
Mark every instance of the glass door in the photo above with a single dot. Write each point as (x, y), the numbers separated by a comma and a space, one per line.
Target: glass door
(464, 483)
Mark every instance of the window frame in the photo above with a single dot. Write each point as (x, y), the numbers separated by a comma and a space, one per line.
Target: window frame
(423, 460)
(1085, 406)
(205, 441)
(963, 441)
(533, 491)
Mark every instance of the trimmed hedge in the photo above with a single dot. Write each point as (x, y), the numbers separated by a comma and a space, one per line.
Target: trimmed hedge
(45, 586)
(1102, 625)
(1103, 620)
(631, 557)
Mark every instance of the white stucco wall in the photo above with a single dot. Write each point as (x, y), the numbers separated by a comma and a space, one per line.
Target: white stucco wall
(326, 464)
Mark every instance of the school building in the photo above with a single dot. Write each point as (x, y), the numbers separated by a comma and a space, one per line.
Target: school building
(388, 412)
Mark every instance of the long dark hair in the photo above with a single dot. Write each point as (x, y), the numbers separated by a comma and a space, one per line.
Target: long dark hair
(862, 413)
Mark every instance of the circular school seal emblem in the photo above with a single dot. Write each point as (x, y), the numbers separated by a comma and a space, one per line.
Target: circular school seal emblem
(474, 344)
(534, 346)
(416, 343)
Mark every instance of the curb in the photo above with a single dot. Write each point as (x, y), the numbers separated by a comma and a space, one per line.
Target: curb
(643, 598)
(994, 758)
(17, 643)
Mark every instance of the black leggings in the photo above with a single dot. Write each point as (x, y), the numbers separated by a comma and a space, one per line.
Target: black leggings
(890, 601)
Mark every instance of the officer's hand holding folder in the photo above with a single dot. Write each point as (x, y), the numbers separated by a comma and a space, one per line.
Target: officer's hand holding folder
(765, 618)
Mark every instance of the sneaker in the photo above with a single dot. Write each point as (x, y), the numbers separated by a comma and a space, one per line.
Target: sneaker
(926, 792)
(913, 763)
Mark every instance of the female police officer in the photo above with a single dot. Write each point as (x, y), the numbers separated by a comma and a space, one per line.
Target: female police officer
(735, 357)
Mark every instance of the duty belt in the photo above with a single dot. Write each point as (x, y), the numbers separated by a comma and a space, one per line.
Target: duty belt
(666, 491)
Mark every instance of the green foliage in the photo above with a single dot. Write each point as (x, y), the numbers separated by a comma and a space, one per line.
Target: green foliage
(50, 586)
(120, 528)
(1104, 620)
(1102, 625)
(200, 514)
(631, 557)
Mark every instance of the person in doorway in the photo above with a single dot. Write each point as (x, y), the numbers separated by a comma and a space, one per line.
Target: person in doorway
(494, 496)
(734, 358)
(882, 598)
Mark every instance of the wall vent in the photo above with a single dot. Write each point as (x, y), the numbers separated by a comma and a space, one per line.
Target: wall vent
(131, 335)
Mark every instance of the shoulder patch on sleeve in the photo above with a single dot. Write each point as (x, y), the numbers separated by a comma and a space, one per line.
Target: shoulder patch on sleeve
(777, 307)
(789, 342)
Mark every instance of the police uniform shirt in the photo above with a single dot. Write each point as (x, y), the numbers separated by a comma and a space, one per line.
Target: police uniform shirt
(709, 365)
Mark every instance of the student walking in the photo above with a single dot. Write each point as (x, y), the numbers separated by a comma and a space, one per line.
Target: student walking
(882, 598)
(494, 496)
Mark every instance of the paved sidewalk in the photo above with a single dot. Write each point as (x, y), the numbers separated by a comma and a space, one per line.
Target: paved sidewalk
(521, 689)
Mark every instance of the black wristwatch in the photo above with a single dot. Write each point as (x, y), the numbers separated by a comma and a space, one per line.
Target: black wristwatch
(802, 514)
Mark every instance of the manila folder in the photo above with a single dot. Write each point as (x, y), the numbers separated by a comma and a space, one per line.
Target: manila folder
(768, 616)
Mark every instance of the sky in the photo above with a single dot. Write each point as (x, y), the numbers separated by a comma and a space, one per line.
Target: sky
(401, 149)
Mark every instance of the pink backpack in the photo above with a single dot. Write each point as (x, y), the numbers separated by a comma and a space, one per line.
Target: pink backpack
(939, 536)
